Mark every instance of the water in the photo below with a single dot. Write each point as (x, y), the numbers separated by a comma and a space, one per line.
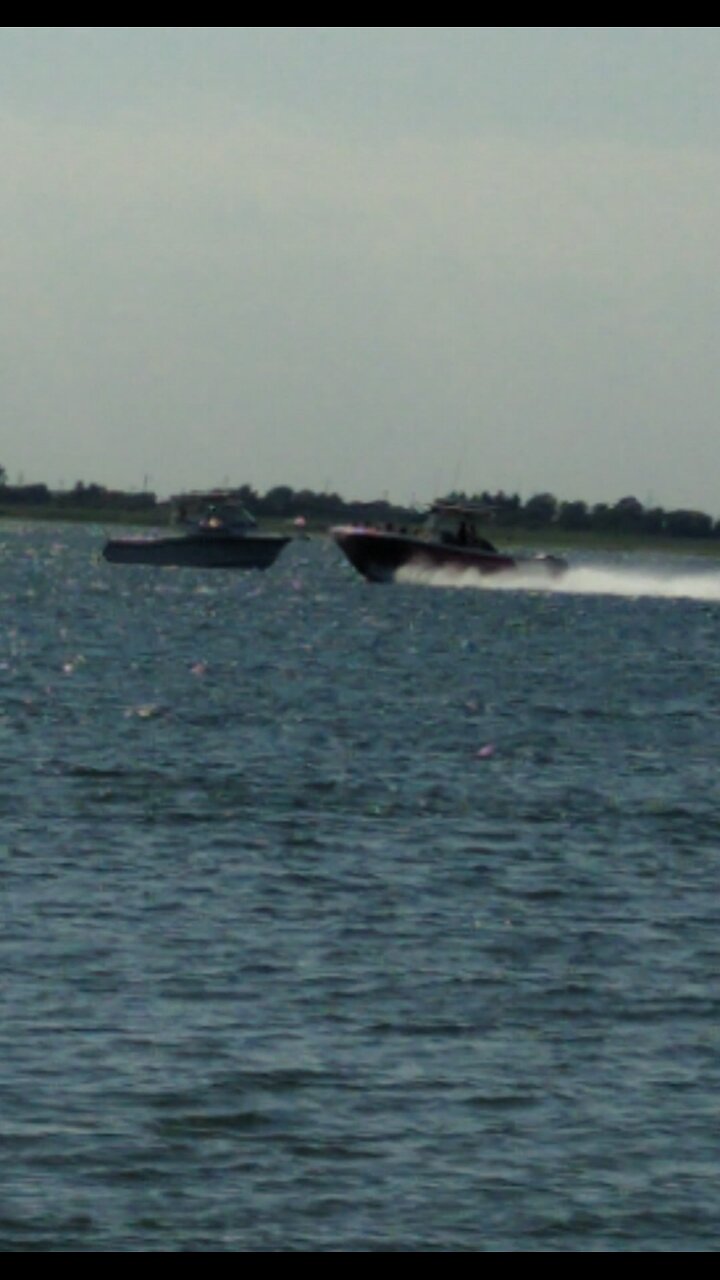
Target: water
(342, 918)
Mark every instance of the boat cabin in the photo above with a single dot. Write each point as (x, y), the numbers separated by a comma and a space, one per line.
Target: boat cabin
(214, 513)
(456, 525)
(227, 515)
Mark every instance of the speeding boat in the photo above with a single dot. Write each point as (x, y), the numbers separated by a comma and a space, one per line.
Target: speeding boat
(225, 536)
(448, 540)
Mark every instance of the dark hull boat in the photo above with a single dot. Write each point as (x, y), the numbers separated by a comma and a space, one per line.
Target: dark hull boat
(449, 541)
(252, 551)
(224, 539)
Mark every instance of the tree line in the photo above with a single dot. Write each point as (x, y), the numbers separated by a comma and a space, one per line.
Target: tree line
(541, 511)
(627, 516)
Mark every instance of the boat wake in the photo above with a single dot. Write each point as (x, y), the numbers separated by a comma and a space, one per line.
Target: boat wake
(592, 580)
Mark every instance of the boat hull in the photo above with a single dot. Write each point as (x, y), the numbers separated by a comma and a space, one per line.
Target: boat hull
(380, 556)
(203, 551)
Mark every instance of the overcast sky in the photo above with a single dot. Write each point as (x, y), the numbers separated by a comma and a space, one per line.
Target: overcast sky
(379, 260)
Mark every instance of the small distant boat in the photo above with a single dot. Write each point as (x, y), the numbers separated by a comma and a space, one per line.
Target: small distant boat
(225, 536)
(448, 540)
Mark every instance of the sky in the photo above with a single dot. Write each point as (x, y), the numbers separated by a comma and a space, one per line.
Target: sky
(379, 261)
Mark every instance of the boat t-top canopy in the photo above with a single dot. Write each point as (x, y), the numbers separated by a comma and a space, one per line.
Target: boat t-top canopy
(461, 510)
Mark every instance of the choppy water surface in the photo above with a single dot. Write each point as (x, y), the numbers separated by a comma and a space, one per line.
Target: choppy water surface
(341, 918)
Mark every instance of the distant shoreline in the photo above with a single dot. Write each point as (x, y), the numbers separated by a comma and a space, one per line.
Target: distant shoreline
(45, 513)
(510, 538)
